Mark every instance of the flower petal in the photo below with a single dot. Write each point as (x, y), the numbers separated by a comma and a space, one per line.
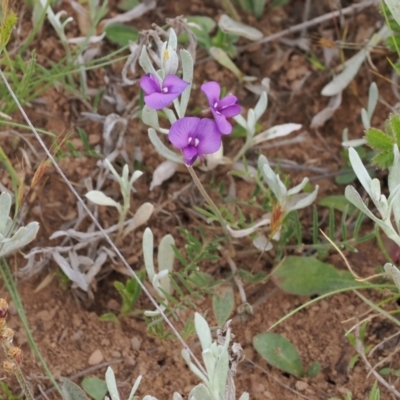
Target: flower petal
(157, 101)
(209, 137)
(174, 84)
(222, 124)
(181, 130)
(227, 101)
(231, 111)
(212, 90)
(150, 84)
(190, 153)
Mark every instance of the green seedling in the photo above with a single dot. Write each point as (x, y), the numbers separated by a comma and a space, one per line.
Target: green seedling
(130, 293)
(374, 394)
(6, 393)
(382, 142)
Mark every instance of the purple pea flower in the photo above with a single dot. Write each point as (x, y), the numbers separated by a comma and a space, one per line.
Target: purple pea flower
(221, 109)
(195, 137)
(159, 96)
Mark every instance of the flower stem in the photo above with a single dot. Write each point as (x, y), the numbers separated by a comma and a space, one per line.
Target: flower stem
(210, 202)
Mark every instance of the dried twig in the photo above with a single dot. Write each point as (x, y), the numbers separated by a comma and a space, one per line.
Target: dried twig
(318, 20)
(378, 377)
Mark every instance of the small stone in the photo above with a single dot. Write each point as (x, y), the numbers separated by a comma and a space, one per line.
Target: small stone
(136, 343)
(94, 138)
(258, 388)
(301, 386)
(44, 315)
(130, 361)
(113, 305)
(115, 354)
(96, 357)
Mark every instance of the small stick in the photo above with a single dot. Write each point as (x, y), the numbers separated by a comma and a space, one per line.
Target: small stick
(378, 377)
(304, 25)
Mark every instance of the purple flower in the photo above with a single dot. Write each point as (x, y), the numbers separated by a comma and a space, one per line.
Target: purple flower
(159, 96)
(221, 109)
(195, 137)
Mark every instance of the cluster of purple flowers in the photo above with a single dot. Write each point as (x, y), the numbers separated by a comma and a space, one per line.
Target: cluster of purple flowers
(193, 136)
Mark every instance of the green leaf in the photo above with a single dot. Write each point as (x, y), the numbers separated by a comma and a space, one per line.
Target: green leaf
(279, 3)
(203, 26)
(383, 160)
(71, 391)
(346, 176)
(307, 276)
(224, 59)
(206, 23)
(201, 279)
(279, 352)
(314, 369)
(252, 277)
(394, 8)
(108, 317)
(121, 34)
(338, 202)
(258, 8)
(127, 5)
(353, 361)
(130, 292)
(394, 121)
(223, 305)
(95, 387)
(375, 392)
(201, 392)
(385, 371)
(378, 140)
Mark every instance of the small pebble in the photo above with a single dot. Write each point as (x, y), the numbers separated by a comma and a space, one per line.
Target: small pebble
(115, 354)
(258, 387)
(113, 304)
(44, 315)
(301, 386)
(136, 343)
(96, 357)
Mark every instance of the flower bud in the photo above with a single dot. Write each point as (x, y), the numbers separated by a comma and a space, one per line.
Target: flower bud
(3, 325)
(3, 308)
(7, 335)
(10, 366)
(15, 354)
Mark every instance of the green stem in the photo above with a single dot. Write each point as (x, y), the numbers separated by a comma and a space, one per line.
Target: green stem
(210, 202)
(382, 246)
(24, 386)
